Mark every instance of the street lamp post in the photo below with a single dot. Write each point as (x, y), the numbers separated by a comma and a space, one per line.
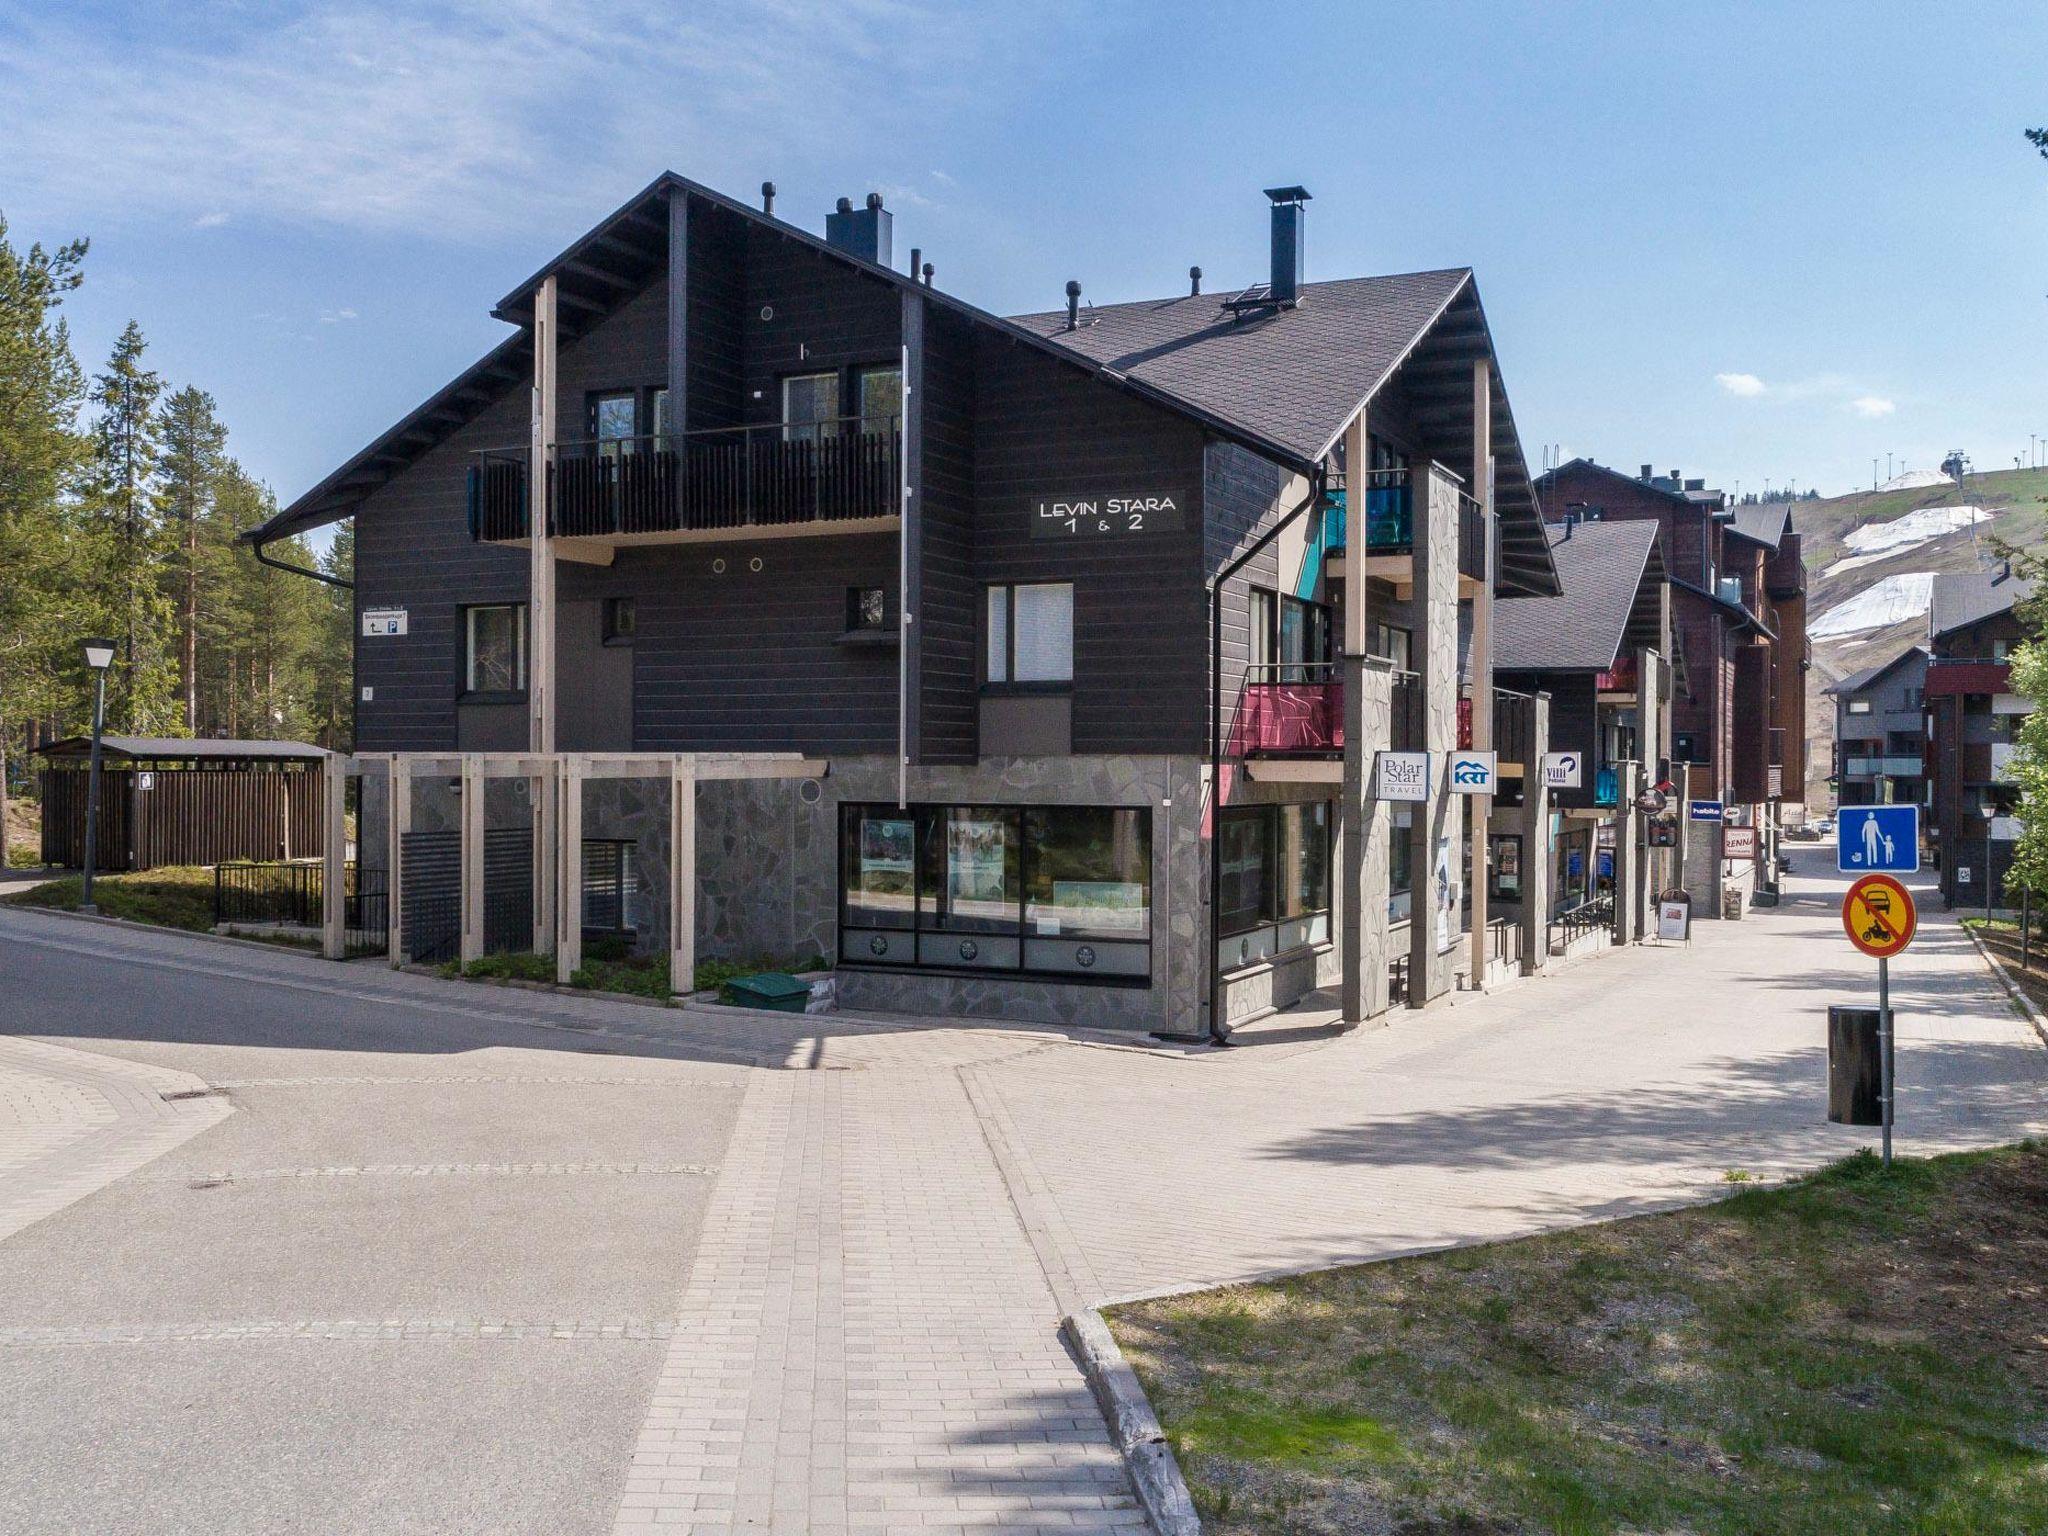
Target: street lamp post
(99, 655)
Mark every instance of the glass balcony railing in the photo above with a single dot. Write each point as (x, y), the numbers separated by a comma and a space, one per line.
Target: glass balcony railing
(1606, 786)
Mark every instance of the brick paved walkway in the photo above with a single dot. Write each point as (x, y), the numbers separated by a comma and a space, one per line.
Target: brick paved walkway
(72, 1123)
(865, 1340)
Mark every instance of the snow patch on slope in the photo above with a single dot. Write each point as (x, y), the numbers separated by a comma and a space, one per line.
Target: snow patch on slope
(1880, 541)
(1890, 601)
(1915, 480)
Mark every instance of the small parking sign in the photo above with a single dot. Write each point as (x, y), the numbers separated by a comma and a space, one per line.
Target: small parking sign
(1877, 839)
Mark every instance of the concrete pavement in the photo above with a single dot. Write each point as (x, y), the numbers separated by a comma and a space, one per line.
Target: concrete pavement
(807, 1273)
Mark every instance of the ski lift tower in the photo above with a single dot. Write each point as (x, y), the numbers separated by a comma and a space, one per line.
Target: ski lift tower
(1956, 465)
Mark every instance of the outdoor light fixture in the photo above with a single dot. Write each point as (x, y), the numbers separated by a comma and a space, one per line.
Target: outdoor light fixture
(99, 655)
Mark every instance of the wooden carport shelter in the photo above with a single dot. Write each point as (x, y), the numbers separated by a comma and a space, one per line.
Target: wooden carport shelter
(556, 781)
(182, 800)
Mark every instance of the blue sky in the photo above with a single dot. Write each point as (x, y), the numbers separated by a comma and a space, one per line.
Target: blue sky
(1757, 243)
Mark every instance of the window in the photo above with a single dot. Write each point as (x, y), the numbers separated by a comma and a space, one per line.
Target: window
(1859, 706)
(621, 620)
(494, 648)
(1685, 747)
(810, 406)
(1061, 890)
(867, 608)
(611, 886)
(1391, 643)
(1263, 620)
(1031, 633)
(1275, 868)
(1914, 698)
(614, 419)
(1304, 640)
(657, 416)
(880, 394)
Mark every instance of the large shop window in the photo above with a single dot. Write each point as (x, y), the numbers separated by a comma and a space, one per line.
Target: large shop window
(1031, 634)
(1041, 890)
(494, 648)
(1275, 867)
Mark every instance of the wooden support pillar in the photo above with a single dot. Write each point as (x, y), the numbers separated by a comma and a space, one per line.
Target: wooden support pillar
(334, 863)
(472, 858)
(541, 791)
(568, 833)
(397, 822)
(682, 875)
(540, 613)
(1482, 663)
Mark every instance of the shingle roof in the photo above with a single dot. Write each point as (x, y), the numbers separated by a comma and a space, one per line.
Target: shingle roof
(1294, 375)
(1965, 597)
(1856, 682)
(175, 748)
(1763, 522)
(1600, 567)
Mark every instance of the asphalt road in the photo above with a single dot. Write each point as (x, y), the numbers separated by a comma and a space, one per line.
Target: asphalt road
(434, 1256)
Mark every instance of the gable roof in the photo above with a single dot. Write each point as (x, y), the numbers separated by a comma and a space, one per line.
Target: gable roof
(1962, 598)
(1857, 682)
(1763, 522)
(1297, 365)
(177, 748)
(1297, 376)
(1601, 568)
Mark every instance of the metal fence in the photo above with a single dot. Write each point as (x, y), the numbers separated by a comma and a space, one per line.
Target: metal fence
(290, 895)
(1575, 922)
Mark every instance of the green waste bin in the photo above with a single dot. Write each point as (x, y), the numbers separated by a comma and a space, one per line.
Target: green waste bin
(773, 990)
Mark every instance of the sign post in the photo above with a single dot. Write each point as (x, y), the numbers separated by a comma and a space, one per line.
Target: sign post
(1879, 917)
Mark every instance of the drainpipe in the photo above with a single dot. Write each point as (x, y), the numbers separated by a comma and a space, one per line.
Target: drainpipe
(300, 570)
(1218, 1033)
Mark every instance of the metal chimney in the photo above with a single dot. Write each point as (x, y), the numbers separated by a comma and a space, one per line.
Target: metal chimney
(1073, 303)
(768, 197)
(1194, 282)
(863, 232)
(1290, 215)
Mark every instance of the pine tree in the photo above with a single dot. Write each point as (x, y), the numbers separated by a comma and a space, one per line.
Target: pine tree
(193, 464)
(41, 387)
(127, 444)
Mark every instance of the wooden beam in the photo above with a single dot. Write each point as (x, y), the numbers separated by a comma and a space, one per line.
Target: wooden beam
(569, 869)
(472, 859)
(682, 869)
(334, 858)
(397, 822)
(540, 613)
(678, 311)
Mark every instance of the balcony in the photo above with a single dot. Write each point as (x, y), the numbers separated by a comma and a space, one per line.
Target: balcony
(1622, 680)
(1296, 709)
(1948, 676)
(1902, 766)
(1390, 530)
(1289, 709)
(839, 475)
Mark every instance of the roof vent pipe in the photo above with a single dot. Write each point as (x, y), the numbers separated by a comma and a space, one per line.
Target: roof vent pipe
(768, 198)
(864, 232)
(1073, 304)
(916, 256)
(1290, 215)
(1194, 282)
(1648, 471)
(927, 274)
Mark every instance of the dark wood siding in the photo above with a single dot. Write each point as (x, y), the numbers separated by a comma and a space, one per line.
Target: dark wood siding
(946, 628)
(1241, 499)
(819, 315)
(1044, 429)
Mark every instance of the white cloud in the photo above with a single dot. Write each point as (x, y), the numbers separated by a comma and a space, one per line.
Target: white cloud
(210, 220)
(465, 116)
(1743, 385)
(1872, 406)
(336, 316)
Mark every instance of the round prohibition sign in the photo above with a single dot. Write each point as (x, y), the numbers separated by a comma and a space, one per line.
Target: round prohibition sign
(1878, 915)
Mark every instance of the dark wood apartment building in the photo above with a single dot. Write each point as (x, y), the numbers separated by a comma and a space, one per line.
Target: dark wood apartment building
(1739, 650)
(1973, 720)
(1020, 594)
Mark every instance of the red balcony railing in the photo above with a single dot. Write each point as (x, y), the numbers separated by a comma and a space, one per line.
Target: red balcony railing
(1289, 708)
(1622, 677)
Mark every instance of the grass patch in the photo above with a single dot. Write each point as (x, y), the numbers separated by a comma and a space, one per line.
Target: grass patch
(171, 897)
(611, 965)
(1850, 1353)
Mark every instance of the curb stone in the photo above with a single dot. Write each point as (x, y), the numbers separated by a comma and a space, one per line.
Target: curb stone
(2013, 989)
(1132, 1425)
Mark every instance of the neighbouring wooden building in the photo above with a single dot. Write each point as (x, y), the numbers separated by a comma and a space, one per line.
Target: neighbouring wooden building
(1973, 723)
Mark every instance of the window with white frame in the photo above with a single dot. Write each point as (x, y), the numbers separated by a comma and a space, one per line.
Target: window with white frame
(1030, 633)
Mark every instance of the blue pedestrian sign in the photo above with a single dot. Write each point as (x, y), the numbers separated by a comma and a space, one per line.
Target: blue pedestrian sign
(1881, 838)
(1703, 810)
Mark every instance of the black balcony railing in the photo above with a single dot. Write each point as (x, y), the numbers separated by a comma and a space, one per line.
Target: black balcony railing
(1406, 733)
(289, 895)
(837, 470)
(1514, 725)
